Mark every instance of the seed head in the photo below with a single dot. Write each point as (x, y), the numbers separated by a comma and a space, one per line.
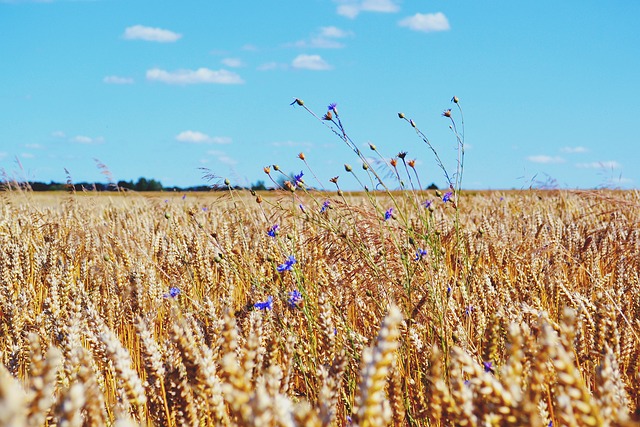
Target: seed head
(372, 146)
(402, 154)
(447, 113)
(267, 170)
(328, 116)
(334, 179)
(394, 162)
(412, 163)
(276, 167)
(347, 167)
(301, 156)
(455, 99)
(401, 115)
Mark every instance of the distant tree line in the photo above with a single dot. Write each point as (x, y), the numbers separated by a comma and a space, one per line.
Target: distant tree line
(142, 184)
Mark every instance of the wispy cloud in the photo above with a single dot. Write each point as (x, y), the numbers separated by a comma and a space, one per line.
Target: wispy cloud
(574, 150)
(267, 66)
(58, 134)
(140, 32)
(3, 155)
(34, 146)
(545, 159)
(117, 80)
(426, 22)
(310, 62)
(195, 137)
(351, 8)
(326, 38)
(201, 75)
(27, 155)
(83, 139)
(233, 62)
(223, 157)
(607, 164)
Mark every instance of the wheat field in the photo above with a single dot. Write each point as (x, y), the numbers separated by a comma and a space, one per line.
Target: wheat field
(304, 308)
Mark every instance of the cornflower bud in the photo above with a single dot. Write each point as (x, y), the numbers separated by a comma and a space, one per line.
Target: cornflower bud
(276, 167)
(348, 168)
(401, 115)
(455, 99)
(394, 162)
(447, 113)
(227, 182)
(334, 180)
(301, 156)
(412, 123)
(365, 166)
(412, 163)
(372, 146)
(267, 170)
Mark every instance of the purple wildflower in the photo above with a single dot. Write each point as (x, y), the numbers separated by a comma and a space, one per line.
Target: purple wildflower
(294, 298)
(426, 204)
(288, 264)
(273, 230)
(298, 178)
(173, 292)
(332, 107)
(266, 305)
(421, 253)
(302, 208)
(468, 310)
(325, 206)
(184, 196)
(388, 214)
(488, 366)
(447, 196)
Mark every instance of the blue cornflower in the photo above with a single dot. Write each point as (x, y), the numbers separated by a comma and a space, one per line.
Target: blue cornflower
(173, 292)
(298, 178)
(426, 204)
(184, 196)
(468, 310)
(488, 366)
(388, 214)
(332, 107)
(273, 230)
(420, 254)
(266, 305)
(447, 196)
(302, 208)
(294, 298)
(287, 264)
(325, 206)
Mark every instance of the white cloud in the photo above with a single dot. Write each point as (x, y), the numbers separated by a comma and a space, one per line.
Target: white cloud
(196, 137)
(140, 32)
(82, 139)
(117, 80)
(58, 134)
(233, 62)
(201, 75)
(33, 146)
(351, 9)
(573, 150)
(545, 159)
(310, 62)
(267, 66)
(223, 158)
(607, 164)
(426, 22)
(325, 39)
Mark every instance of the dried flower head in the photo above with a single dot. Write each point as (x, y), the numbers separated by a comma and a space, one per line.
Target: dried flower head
(394, 162)
(447, 113)
(402, 154)
(328, 116)
(301, 156)
(267, 170)
(300, 102)
(348, 167)
(334, 179)
(412, 163)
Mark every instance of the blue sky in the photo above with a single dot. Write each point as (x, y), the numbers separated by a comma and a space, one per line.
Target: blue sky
(549, 90)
